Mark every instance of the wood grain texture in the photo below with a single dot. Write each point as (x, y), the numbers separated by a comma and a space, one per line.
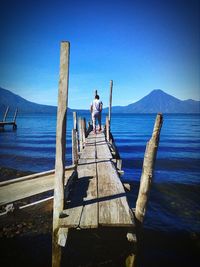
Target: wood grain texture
(113, 206)
(25, 188)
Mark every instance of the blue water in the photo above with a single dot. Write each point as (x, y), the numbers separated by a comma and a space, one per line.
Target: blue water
(175, 197)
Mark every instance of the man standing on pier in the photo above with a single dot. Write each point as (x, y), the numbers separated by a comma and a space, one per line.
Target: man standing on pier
(96, 109)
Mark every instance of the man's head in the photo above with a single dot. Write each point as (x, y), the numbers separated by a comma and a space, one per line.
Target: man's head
(96, 96)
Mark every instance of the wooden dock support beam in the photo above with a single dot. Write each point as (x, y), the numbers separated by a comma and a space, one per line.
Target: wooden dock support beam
(110, 101)
(75, 120)
(107, 129)
(148, 169)
(60, 149)
(80, 134)
(74, 147)
(5, 114)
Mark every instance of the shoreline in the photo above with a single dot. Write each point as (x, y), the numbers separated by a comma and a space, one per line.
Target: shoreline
(25, 240)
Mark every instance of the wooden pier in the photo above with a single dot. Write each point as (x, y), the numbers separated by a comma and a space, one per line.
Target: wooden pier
(12, 122)
(96, 198)
(89, 194)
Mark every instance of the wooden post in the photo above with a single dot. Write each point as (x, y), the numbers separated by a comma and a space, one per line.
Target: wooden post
(80, 134)
(75, 120)
(74, 147)
(110, 102)
(148, 169)
(15, 116)
(107, 129)
(5, 114)
(95, 93)
(83, 130)
(60, 149)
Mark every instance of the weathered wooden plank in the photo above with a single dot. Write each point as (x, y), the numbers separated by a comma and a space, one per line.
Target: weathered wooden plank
(89, 217)
(113, 206)
(82, 195)
(21, 189)
(102, 149)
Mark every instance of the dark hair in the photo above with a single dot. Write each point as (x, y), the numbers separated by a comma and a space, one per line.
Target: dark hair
(96, 96)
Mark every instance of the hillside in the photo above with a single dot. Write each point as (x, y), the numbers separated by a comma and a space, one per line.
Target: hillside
(156, 101)
(14, 101)
(159, 101)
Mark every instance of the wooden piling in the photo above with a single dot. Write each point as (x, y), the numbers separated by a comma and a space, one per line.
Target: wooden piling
(15, 116)
(80, 134)
(74, 147)
(5, 114)
(147, 170)
(107, 129)
(83, 126)
(60, 149)
(75, 120)
(110, 101)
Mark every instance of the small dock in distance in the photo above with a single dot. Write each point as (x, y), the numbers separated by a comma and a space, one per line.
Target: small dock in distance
(12, 122)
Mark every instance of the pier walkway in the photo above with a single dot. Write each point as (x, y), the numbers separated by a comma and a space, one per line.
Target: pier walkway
(98, 197)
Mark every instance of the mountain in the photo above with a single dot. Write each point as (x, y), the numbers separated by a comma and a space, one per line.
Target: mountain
(24, 106)
(159, 101)
(156, 101)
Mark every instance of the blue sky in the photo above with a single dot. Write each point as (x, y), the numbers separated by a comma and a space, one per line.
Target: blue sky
(140, 44)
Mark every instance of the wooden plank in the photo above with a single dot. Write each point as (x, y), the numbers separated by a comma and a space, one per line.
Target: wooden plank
(21, 189)
(82, 193)
(89, 217)
(102, 149)
(113, 206)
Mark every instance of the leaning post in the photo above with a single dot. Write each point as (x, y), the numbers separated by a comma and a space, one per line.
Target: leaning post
(5, 114)
(110, 101)
(148, 170)
(60, 149)
(15, 116)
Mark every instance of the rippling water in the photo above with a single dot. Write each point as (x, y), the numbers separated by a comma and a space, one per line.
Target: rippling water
(175, 197)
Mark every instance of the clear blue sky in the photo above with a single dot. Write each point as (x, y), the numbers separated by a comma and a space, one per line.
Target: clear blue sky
(140, 44)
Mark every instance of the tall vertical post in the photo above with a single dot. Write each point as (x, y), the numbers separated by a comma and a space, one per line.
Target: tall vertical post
(74, 120)
(148, 170)
(107, 129)
(60, 149)
(110, 101)
(74, 147)
(80, 134)
(95, 93)
(83, 124)
(5, 114)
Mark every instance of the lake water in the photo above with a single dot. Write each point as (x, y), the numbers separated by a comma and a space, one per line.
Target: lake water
(175, 197)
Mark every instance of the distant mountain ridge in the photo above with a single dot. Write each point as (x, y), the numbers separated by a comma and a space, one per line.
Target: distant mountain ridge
(159, 101)
(14, 101)
(156, 101)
